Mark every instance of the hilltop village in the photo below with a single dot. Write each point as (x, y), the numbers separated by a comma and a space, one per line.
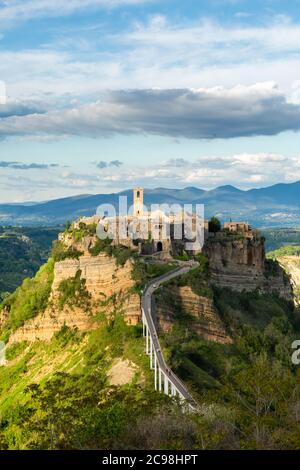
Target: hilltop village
(105, 273)
(165, 231)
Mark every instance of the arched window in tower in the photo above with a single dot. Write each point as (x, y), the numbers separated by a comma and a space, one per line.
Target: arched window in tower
(138, 201)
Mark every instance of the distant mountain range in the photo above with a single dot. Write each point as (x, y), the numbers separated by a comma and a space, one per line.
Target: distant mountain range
(277, 205)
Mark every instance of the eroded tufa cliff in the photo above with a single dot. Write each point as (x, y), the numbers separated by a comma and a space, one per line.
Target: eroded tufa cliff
(239, 264)
(203, 317)
(108, 286)
(291, 264)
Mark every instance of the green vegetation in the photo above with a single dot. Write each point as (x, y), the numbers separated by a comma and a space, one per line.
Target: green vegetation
(248, 391)
(280, 237)
(143, 272)
(83, 230)
(196, 278)
(183, 256)
(60, 252)
(22, 251)
(251, 308)
(119, 252)
(289, 250)
(15, 350)
(272, 268)
(214, 225)
(57, 395)
(101, 246)
(67, 335)
(30, 298)
(72, 292)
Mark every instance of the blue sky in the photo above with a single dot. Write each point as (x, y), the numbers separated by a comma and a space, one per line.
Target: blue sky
(102, 95)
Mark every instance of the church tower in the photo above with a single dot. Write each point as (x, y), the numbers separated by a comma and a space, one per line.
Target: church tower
(138, 202)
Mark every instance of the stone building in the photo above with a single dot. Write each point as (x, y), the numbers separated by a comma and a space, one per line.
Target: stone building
(238, 227)
(160, 231)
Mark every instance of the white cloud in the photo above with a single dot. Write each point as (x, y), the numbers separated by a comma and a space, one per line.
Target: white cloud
(216, 171)
(260, 109)
(158, 54)
(259, 159)
(26, 9)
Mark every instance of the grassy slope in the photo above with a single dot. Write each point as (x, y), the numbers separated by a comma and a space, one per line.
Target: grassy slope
(40, 371)
(70, 352)
(289, 250)
(41, 380)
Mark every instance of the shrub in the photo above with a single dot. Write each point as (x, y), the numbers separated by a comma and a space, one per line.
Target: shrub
(144, 272)
(15, 350)
(272, 268)
(67, 335)
(214, 225)
(83, 230)
(60, 252)
(101, 246)
(73, 292)
(121, 254)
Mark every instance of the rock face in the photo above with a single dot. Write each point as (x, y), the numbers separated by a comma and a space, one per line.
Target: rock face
(240, 265)
(102, 275)
(109, 286)
(205, 321)
(291, 264)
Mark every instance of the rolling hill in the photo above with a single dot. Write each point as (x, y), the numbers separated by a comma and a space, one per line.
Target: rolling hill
(277, 205)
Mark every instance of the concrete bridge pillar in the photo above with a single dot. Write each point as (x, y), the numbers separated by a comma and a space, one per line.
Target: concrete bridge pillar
(166, 385)
(151, 353)
(147, 340)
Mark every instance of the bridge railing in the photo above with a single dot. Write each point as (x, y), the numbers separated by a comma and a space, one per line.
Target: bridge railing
(164, 378)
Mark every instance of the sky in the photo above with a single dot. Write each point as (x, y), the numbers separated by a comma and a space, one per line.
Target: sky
(97, 96)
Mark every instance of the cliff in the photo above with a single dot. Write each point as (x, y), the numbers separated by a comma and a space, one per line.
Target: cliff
(291, 264)
(88, 283)
(108, 287)
(239, 264)
(199, 311)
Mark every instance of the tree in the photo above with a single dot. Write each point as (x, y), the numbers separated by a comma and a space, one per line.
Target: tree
(214, 225)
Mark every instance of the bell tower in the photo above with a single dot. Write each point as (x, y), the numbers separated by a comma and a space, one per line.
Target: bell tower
(138, 202)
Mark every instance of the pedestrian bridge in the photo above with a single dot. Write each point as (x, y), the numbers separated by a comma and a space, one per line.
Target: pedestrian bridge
(164, 378)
